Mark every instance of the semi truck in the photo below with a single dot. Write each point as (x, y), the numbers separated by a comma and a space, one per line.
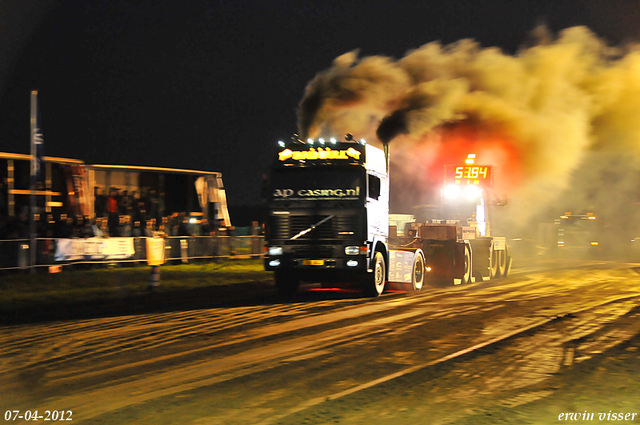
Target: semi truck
(329, 223)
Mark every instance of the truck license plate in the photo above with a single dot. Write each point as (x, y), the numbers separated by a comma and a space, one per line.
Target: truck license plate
(313, 262)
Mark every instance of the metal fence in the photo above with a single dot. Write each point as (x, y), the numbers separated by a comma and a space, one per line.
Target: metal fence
(14, 253)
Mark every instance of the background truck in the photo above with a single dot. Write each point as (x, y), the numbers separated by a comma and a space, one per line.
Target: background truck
(329, 222)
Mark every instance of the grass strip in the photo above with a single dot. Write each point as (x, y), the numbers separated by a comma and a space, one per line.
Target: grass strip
(23, 290)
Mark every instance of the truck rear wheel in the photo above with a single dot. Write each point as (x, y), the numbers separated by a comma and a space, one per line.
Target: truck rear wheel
(466, 277)
(503, 263)
(417, 275)
(374, 282)
(481, 269)
(287, 282)
(495, 264)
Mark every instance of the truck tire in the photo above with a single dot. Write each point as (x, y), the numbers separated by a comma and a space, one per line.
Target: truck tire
(374, 282)
(503, 263)
(482, 272)
(468, 267)
(287, 282)
(495, 264)
(417, 275)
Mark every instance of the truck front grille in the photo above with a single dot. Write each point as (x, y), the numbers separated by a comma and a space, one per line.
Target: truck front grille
(288, 226)
(313, 251)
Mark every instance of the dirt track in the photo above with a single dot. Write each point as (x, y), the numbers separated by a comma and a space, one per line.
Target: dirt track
(316, 359)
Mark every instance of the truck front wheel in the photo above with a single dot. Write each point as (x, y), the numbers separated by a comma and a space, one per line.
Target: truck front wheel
(417, 277)
(374, 282)
(287, 282)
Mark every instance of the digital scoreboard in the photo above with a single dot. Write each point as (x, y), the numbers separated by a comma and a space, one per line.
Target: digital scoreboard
(476, 175)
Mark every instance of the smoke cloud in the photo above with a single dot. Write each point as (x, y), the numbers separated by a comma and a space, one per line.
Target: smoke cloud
(536, 116)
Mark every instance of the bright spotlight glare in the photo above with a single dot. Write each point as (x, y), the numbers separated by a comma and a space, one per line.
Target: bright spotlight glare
(472, 192)
(452, 191)
(281, 143)
(310, 141)
(333, 140)
(321, 140)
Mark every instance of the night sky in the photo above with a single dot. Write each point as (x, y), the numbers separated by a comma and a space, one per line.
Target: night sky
(213, 85)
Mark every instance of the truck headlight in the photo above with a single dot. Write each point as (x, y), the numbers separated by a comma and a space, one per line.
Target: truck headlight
(352, 250)
(275, 250)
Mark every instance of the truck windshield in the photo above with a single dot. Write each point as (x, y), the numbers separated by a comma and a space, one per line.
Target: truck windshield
(312, 184)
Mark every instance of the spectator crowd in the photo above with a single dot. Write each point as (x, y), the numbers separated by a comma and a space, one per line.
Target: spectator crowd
(117, 214)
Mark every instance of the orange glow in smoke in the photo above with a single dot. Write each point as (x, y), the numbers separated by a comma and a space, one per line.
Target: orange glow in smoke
(490, 147)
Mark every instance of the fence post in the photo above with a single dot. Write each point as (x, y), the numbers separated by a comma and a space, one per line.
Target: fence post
(231, 231)
(23, 256)
(155, 257)
(184, 250)
(154, 278)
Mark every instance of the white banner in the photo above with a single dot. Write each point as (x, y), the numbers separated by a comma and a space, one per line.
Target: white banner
(94, 249)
